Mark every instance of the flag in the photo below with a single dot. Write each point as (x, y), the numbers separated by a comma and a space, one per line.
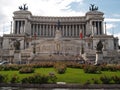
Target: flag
(81, 36)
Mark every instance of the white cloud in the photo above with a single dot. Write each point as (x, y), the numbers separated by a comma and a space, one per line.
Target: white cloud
(116, 15)
(110, 30)
(110, 26)
(111, 20)
(37, 7)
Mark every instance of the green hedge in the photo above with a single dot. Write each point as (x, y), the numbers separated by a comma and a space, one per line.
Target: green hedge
(36, 79)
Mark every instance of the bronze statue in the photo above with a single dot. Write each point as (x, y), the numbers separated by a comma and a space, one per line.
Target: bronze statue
(99, 46)
(17, 45)
(58, 24)
(20, 7)
(24, 7)
(93, 7)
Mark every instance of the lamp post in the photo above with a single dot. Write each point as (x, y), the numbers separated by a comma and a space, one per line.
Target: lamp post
(34, 50)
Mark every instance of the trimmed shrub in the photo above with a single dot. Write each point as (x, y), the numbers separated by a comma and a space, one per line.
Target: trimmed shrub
(109, 68)
(116, 79)
(92, 69)
(36, 79)
(52, 77)
(87, 82)
(43, 64)
(26, 70)
(106, 79)
(2, 78)
(95, 81)
(112, 68)
(74, 65)
(10, 67)
(60, 67)
(14, 79)
(1, 68)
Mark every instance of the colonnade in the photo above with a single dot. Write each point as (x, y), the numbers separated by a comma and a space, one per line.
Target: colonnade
(67, 30)
(97, 27)
(19, 26)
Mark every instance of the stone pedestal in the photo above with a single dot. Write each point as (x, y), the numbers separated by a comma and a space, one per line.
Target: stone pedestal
(57, 39)
(17, 57)
(11, 53)
(104, 53)
(99, 58)
(58, 35)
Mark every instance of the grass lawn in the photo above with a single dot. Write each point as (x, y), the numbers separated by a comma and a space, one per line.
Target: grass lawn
(72, 75)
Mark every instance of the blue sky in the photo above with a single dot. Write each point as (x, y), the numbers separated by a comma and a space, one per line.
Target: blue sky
(62, 8)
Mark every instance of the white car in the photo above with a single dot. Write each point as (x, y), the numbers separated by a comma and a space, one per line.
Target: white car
(4, 62)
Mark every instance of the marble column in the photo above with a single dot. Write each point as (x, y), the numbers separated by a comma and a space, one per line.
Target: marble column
(93, 28)
(62, 30)
(37, 29)
(17, 23)
(72, 30)
(101, 25)
(79, 29)
(14, 27)
(50, 30)
(43, 30)
(105, 29)
(98, 27)
(53, 30)
(69, 30)
(96, 30)
(21, 28)
(46, 29)
(33, 29)
(76, 30)
(83, 30)
(40, 30)
(66, 30)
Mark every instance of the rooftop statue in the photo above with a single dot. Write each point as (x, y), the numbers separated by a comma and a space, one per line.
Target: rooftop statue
(99, 46)
(24, 7)
(93, 7)
(58, 24)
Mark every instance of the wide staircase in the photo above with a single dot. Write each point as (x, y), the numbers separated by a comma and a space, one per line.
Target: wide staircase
(54, 58)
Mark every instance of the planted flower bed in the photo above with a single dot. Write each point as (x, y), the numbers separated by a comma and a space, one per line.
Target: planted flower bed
(61, 72)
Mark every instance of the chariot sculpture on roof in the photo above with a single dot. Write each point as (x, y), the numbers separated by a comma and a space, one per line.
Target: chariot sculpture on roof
(93, 7)
(24, 7)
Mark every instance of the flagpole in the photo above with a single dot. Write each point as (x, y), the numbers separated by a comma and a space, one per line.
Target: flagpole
(82, 49)
(34, 49)
(11, 28)
(105, 29)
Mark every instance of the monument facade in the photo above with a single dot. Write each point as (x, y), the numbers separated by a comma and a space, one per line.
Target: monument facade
(58, 38)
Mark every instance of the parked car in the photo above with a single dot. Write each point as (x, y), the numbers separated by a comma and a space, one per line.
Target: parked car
(4, 62)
